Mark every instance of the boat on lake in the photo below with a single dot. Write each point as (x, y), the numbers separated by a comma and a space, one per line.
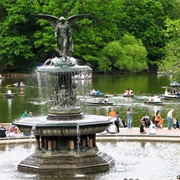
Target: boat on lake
(153, 102)
(94, 103)
(8, 95)
(128, 93)
(171, 96)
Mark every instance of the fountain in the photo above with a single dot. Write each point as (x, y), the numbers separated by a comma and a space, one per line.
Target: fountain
(65, 138)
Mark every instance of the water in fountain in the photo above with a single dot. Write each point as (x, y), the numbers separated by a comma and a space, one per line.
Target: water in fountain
(137, 160)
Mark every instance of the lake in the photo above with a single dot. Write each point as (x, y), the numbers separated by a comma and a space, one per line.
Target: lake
(34, 96)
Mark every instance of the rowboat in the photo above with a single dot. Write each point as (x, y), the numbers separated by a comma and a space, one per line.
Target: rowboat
(154, 103)
(128, 95)
(91, 103)
(8, 95)
(171, 96)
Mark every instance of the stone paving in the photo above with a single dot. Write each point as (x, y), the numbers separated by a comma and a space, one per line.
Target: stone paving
(135, 135)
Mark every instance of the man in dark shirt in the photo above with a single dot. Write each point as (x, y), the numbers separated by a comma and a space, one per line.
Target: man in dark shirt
(2, 131)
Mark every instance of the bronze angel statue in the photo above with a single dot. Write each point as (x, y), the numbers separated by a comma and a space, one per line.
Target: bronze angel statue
(63, 32)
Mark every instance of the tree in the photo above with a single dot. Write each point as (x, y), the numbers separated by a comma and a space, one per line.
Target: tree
(15, 46)
(127, 54)
(171, 60)
(146, 21)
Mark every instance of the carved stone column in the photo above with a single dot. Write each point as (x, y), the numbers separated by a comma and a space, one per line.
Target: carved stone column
(37, 143)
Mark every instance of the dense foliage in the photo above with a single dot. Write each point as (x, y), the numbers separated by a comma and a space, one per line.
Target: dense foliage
(123, 35)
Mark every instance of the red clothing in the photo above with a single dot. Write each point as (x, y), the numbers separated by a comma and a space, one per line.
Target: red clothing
(11, 129)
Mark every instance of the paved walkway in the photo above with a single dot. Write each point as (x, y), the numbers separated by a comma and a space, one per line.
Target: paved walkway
(134, 135)
(161, 135)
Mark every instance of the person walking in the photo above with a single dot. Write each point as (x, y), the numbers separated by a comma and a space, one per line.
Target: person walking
(116, 122)
(169, 118)
(129, 118)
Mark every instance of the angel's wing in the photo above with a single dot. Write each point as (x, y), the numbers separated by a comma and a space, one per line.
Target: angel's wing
(52, 19)
(72, 19)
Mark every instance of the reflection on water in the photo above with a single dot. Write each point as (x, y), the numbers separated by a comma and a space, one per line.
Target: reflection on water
(137, 160)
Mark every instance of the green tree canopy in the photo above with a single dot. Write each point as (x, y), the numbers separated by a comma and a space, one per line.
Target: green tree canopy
(171, 60)
(26, 40)
(127, 54)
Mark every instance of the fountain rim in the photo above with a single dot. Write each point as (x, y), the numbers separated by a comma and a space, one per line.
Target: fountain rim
(63, 69)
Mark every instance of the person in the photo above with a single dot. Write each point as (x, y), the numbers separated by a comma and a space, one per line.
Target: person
(158, 121)
(143, 123)
(146, 121)
(30, 114)
(151, 99)
(169, 118)
(25, 114)
(156, 99)
(118, 121)
(175, 122)
(178, 177)
(124, 123)
(112, 113)
(127, 92)
(11, 131)
(93, 92)
(63, 35)
(98, 92)
(106, 100)
(129, 118)
(166, 92)
(98, 99)
(131, 91)
(9, 91)
(2, 131)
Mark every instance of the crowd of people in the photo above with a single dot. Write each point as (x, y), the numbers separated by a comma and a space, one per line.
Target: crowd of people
(13, 130)
(94, 92)
(145, 122)
(128, 92)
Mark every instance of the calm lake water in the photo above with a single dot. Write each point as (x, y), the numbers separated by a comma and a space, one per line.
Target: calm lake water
(34, 96)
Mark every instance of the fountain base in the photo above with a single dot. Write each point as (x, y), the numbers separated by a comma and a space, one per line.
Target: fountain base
(66, 147)
(67, 163)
